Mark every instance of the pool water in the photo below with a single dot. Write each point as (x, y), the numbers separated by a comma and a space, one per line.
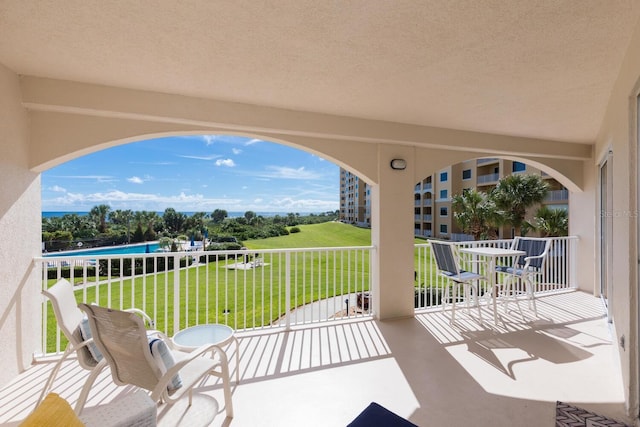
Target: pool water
(140, 248)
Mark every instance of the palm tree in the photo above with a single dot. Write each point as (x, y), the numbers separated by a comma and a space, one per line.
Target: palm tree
(151, 219)
(99, 214)
(514, 194)
(174, 221)
(219, 215)
(475, 213)
(123, 218)
(552, 222)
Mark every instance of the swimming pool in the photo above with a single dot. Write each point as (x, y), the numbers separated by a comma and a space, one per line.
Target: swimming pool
(139, 248)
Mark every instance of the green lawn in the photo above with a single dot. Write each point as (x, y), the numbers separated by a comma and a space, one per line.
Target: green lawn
(324, 235)
(214, 289)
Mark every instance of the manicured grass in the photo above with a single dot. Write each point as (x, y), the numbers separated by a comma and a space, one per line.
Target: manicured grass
(324, 235)
(253, 297)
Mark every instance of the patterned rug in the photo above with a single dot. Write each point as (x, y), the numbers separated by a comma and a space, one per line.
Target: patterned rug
(570, 416)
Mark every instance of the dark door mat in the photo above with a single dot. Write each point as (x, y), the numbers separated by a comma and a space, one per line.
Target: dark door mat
(571, 416)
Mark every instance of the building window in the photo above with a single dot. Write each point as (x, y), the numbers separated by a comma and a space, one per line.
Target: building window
(443, 194)
(444, 212)
(444, 176)
(518, 167)
(443, 228)
(466, 174)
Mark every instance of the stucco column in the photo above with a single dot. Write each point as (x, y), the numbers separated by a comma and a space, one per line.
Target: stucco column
(392, 234)
(21, 231)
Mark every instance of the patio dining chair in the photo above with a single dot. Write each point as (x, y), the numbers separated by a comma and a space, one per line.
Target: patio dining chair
(446, 257)
(75, 327)
(525, 271)
(152, 362)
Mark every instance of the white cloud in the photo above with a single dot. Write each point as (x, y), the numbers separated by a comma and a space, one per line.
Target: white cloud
(57, 189)
(209, 139)
(284, 172)
(210, 157)
(186, 202)
(135, 180)
(253, 141)
(225, 162)
(140, 201)
(236, 151)
(98, 178)
(304, 205)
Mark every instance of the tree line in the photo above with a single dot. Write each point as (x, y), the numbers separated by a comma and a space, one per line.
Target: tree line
(481, 214)
(103, 226)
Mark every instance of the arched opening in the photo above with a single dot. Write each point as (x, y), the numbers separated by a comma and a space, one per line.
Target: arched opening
(195, 173)
(436, 194)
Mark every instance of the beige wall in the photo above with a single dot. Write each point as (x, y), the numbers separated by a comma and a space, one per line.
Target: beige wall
(618, 133)
(20, 219)
(67, 120)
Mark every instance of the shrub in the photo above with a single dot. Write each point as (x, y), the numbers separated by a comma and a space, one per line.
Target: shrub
(52, 273)
(294, 230)
(427, 298)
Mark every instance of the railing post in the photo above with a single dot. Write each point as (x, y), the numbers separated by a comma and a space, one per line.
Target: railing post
(176, 294)
(573, 264)
(287, 291)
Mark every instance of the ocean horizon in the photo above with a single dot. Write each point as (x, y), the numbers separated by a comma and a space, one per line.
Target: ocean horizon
(233, 214)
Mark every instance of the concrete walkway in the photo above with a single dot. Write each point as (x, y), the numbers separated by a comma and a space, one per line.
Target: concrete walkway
(323, 310)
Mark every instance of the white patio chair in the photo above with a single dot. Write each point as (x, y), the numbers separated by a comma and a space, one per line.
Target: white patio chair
(525, 270)
(446, 257)
(168, 373)
(70, 319)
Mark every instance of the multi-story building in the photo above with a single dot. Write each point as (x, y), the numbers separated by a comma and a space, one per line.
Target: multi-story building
(433, 216)
(354, 195)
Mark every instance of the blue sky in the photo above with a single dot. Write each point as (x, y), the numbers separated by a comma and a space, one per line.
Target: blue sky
(195, 173)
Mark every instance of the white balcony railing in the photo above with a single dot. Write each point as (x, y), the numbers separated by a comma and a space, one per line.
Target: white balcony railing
(489, 178)
(243, 289)
(258, 289)
(557, 195)
(559, 272)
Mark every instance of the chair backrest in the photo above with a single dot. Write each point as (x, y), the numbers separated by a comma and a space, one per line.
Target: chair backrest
(445, 256)
(533, 247)
(122, 338)
(69, 316)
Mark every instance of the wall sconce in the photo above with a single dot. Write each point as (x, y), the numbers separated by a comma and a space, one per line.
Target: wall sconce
(398, 164)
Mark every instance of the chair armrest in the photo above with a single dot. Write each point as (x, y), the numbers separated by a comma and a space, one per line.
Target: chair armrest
(161, 386)
(530, 258)
(148, 320)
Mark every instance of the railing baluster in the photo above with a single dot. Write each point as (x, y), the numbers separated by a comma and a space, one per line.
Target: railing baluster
(176, 294)
(287, 284)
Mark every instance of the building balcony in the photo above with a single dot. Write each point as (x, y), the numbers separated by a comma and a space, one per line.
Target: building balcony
(487, 161)
(557, 196)
(421, 368)
(304, 354)
(491, 178)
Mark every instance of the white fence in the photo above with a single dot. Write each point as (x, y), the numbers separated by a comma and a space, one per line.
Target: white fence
(243, 289)
(253, 289)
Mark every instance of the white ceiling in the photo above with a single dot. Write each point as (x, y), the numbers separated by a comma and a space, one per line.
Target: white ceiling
(536, 68)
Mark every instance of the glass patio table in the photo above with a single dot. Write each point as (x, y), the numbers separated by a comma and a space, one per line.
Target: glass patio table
(190, 338)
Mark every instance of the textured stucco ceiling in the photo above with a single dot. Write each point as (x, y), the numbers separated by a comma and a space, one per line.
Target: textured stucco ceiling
(536, 68)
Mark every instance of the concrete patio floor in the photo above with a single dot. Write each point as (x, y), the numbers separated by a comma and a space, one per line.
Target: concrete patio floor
(421, 368)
